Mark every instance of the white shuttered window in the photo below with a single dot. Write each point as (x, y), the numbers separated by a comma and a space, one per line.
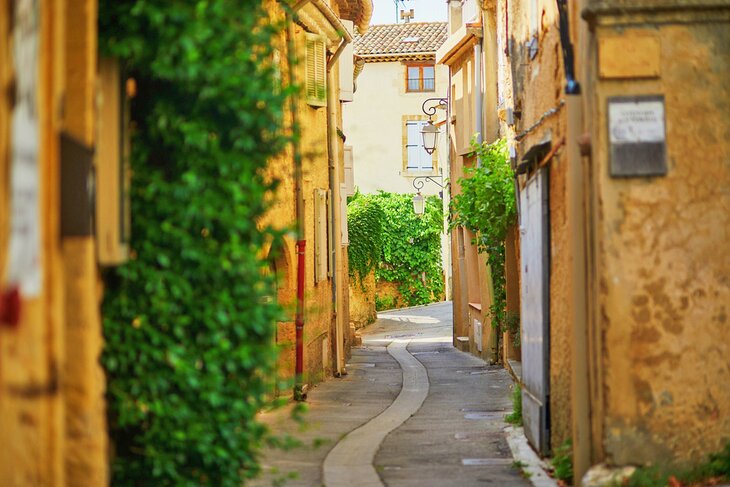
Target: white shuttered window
(418, 158)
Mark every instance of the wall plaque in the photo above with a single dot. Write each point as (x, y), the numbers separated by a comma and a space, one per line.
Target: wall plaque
(637, 136)
(24, 253)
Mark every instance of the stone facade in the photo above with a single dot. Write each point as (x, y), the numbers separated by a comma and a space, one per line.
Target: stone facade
(52, 410)
(637, 326)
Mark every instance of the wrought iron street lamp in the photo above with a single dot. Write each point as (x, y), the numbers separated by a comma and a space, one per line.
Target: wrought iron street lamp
(429, 132)
(419, 204)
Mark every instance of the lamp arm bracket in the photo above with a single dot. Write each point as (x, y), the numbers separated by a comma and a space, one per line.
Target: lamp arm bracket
(430, 105)
(419, 181)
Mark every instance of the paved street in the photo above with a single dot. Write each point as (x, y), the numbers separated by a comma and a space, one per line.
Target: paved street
(444, 427)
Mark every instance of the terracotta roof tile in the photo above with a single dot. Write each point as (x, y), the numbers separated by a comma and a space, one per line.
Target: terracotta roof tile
(400, 40)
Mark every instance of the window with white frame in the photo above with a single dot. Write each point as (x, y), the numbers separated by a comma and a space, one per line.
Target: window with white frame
(417, 157)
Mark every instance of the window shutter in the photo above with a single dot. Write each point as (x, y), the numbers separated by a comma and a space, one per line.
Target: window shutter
(321, 257)
(344, 233)
(316, 71)
(113, 220)
(349, 171)
(347, 67)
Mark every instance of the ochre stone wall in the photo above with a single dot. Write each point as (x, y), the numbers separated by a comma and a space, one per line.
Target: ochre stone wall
(318, 314)
(52, 412)
(539, 89)
(663, 264)
(362, 301)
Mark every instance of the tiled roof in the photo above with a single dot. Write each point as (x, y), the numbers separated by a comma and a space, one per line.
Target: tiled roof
(359, 11)
(401, 41)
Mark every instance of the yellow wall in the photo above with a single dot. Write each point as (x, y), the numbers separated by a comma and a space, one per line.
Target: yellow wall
(52, 417)
(662, 294)
(539, 88)
(362, 301)
(319, 331)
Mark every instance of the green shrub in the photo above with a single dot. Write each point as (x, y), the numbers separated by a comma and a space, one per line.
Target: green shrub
(385, 302)
(411, 247)
(190, 351)
(515, 417)
(562, 462)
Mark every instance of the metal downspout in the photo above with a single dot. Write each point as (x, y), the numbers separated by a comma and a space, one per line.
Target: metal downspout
(334, 180)
(299, 393)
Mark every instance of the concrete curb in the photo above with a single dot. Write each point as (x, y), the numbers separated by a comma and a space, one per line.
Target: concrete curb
(533, 466)
(395, 310)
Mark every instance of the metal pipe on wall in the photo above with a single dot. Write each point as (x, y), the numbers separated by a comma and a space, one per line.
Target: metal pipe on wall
(334, 180)
(299, 394)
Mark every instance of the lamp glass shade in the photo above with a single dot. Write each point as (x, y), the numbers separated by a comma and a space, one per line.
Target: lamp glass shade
(418, 204)
(429, 133)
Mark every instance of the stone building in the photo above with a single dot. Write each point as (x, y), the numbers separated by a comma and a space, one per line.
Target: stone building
(472, 114)
(397, 75)
(383, 123)
(314, 198)
(52, 412)
(62, 113)
(614, 111)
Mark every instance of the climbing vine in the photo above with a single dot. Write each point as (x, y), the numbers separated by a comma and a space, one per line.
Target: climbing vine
(188, 326)
(402, 247)
(365, 218)
(486, 206)
(412, 248)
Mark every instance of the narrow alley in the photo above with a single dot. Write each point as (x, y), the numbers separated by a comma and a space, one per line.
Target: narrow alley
(445, 427)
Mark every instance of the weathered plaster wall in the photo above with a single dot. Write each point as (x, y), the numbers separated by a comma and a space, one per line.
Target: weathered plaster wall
(362, 301)
(662, 259)
(532, 82)
(318, 329)
(373, 125)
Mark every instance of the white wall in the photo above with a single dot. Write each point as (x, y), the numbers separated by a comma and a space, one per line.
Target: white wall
(373, 127)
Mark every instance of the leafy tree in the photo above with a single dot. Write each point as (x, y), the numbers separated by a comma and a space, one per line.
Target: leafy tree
(190, 350)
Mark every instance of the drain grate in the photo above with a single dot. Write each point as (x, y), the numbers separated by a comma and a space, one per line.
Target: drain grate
(486, 461)
(488, 415)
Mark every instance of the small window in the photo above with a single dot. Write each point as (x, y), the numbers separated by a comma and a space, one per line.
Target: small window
(316, 75)
(418, 158)
(420, 77)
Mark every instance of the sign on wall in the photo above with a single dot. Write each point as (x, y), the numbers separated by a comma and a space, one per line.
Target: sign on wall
(637, 136)
(24, 269)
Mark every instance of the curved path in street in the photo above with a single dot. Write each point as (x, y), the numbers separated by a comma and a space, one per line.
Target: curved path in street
(350, 462)
(412, 412)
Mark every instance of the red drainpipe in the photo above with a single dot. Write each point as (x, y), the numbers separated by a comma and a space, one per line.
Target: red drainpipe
(299, 394)
(299, 367)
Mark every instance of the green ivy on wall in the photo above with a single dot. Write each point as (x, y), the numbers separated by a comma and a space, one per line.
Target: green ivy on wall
(408, 246)
(365, 219)
(189, 336)
(486, 206)
(412, 248)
